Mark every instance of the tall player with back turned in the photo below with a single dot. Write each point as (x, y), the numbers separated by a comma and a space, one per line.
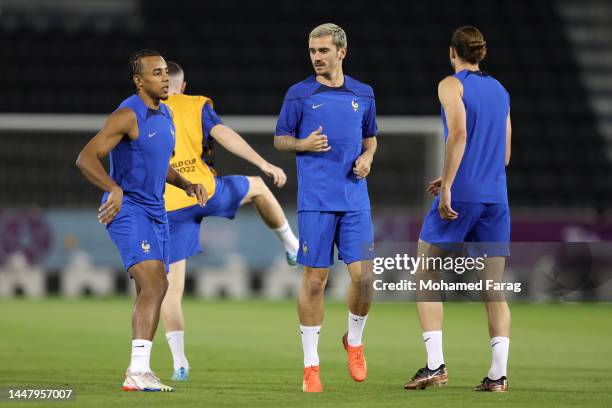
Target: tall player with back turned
(329, 121)
(472, 202)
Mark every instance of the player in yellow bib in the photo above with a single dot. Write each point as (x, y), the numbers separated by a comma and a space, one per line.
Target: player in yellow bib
(197, 125)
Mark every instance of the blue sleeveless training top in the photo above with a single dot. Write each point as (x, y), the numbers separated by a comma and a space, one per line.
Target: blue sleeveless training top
(140, 166)
(481, 177)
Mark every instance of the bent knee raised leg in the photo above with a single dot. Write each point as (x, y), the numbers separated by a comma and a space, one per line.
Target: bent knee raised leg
(257, 186)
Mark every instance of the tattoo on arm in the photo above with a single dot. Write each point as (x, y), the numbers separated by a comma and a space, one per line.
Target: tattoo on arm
(287, 144)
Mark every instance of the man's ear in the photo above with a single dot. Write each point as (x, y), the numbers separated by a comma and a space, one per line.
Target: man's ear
(137, 81)
(183, 86)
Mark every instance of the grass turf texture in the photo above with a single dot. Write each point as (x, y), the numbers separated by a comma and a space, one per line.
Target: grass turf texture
(248, 353)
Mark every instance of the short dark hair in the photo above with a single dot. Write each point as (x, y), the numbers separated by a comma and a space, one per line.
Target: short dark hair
(134, 64)
(174, 68)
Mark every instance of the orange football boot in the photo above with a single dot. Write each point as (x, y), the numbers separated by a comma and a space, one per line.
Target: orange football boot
(312, 380)
(358, 369)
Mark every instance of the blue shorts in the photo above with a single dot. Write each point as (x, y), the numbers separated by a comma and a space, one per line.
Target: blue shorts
(485, 224)
(185, 223)
(351, 231)
(138, 236)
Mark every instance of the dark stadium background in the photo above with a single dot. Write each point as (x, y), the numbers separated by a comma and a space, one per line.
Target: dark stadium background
(70, 57)
(65, 300)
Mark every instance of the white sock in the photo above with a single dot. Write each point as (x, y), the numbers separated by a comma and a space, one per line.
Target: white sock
(288, 239)
(355, 329)
(433, 344)
(310, 342)
(141, 356)
(177, 347)
(499, 361)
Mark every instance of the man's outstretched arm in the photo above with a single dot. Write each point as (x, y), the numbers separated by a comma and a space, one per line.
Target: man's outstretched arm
(235, 144)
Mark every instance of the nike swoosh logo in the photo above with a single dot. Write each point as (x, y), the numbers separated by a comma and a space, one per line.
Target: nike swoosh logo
(317, 106)
(139, 346)
(430, 376)
(427, 339)
(355, 320)
(495, 344)
(152, 134)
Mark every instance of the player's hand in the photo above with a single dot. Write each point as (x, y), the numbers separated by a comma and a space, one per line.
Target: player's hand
(315, 142)
(362, 166)
(445, 209)
(198, 191)
(276, 173)
(111, 206)
(434, 186)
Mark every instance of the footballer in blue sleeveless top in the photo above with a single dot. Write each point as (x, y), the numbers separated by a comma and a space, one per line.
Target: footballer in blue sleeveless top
(139, 167)
(472, 203)
(479, 209)
(139, 136)
(329, 121)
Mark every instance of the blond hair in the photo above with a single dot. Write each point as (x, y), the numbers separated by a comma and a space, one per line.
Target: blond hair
(337, 34)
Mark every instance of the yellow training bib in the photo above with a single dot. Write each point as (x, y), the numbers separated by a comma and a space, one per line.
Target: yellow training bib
(187, 158)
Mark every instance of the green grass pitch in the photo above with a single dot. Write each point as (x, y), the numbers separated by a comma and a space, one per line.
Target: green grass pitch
(248, 353)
